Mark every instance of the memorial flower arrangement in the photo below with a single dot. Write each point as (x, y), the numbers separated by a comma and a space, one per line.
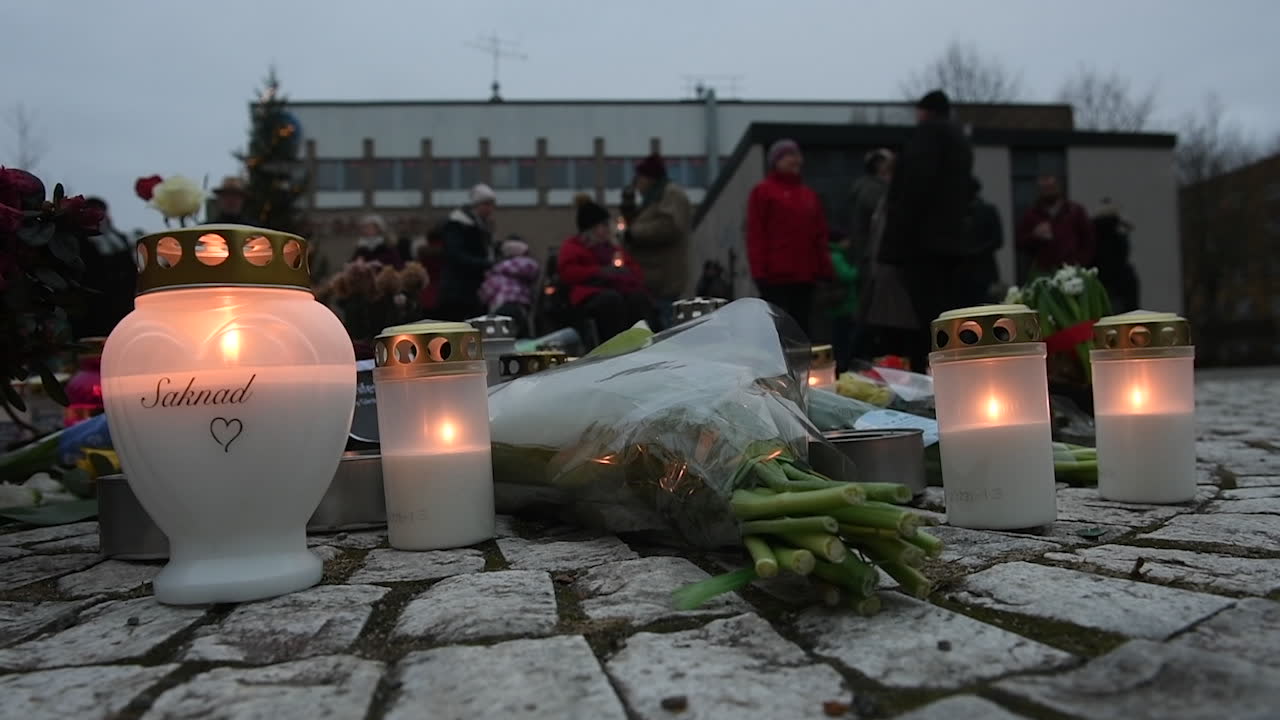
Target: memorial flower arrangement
(1069, 301)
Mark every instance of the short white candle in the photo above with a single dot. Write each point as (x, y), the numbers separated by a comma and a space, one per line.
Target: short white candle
(439, 500)
(822, 376)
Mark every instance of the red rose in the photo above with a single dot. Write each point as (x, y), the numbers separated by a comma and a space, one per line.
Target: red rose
(10, 219)
(75, 215)
(145, 187)
(20, 189)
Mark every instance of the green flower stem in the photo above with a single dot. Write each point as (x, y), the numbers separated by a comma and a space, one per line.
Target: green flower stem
(854, 532)
(895, 493)
(930, 544)
(782, 526)
(766, 565)
(885, 551)
(798, 561)
(829, 594)
(695, 595)
(801, 480)
(867, 606)
(822, 545)
(853, 575)
(774, 478)
(876, 515)
(911, 580)
(752, 506)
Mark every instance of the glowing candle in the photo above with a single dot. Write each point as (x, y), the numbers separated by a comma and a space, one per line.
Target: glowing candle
(822, 367)
(229, 392)
(993, 418)
(497, 338)
(1144, 404)
(433, 420)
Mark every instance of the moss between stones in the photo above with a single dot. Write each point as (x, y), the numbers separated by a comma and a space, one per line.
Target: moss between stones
(1085, 642)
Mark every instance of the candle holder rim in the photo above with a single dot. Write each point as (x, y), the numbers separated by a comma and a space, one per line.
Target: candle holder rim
(235, 270)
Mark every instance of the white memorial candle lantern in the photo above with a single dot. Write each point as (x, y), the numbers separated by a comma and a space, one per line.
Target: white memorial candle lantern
(229, 392)
(497, 338)
(1144, 405)
(433, 419)
(993, 418)
(682, 311)
(822, 367)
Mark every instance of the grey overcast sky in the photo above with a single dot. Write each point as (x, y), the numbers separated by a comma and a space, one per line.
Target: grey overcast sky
(126, 88)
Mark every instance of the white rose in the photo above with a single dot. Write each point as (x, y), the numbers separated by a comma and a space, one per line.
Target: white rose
(12, 496)
(177, 197)
(1013, 296)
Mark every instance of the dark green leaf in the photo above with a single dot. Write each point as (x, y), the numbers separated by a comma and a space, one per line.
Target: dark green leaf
(64, 246)
(101, 465)
(36, 234)
(50, 278)
(52, 387)
(12, 397)
(77, 481)
(54, 514)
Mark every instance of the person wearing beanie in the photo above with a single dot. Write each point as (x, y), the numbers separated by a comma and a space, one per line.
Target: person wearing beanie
(468, 254)
(658, 235)
(374, 243)
(928, 206)
(604, 282)
(787, 235)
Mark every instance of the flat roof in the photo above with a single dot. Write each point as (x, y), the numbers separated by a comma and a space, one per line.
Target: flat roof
(674, 102)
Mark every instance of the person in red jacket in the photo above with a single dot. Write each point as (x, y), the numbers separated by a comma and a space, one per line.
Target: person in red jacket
(603, 280)
(787, 235)
(1056, 231)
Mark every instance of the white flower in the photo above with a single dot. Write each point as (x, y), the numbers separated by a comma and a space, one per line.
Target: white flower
(177, 197)
(1065, 274)
(1073, 286)
(12, 496)
(1013, 296)
(42, 482)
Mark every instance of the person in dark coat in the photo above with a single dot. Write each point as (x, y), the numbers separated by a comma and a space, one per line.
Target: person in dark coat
(374, 243)
(605, 283)
(230, 197)
(1111, 232)
(927, 205)
(1056, 231)
(865, 196)
(980, 273)
(468, 254)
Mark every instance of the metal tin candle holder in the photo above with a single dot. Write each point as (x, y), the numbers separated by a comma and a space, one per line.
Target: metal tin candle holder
(1144, 405)
(895, 456)
(433, 417)
(685, 310)
(497, 338)
(518, 365)
(822, 366)
(993, 417)
(229, 392)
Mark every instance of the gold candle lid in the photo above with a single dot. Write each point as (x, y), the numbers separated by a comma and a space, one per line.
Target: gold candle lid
(985, 325)
(1141, 329)
(427, 342)
(821, 355)
(221, 256)
(517, 365)
(494, 327)
(685, 310)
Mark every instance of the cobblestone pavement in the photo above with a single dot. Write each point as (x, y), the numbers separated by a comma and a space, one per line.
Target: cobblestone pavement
(1117, 611)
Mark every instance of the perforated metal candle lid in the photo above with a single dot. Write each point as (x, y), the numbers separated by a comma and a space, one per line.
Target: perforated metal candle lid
(821, 356)
(428, 342)
(515, 365)
(685, 310)
(221, 256)
(985, 325)
(1141, 329)
(494, 327)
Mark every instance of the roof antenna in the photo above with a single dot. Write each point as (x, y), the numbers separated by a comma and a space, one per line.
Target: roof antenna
(497, 48)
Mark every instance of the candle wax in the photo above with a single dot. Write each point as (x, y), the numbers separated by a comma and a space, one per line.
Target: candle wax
(439, 500)
(1147, 457)
(999, 477)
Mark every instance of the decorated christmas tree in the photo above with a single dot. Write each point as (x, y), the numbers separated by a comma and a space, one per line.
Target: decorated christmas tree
(276, 176)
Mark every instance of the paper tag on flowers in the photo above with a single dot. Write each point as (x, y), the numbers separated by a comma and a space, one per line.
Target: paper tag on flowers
(893, 420)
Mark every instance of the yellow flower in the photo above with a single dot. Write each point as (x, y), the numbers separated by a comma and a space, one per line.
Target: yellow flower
(86, 463)
(177, 197)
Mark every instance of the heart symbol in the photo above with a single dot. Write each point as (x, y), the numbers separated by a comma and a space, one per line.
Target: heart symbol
(225, 431)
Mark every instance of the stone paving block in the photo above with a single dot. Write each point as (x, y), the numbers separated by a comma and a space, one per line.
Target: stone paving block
(563, 554)
(80, 543)
(9, 553)
(333, 687)
(1143, 679)
(45, 534)
(323, 620)
(553, 678)
(1257, 532)
(900, 646)
(34, 568)
(504, 526)
(351, 540)
(111, 576)
(1126, 607)
(961, 707)
(22, 620)
(1071, 534)
(976, 548)
(82, 693)
(1226, 573)
(106, 633)
(639, 591)
(1084, 505)
(1257, 481)
(1247, 506)
(1252, 493)
(1247, 631)
(482, 606)
(738, 668)
(402, 566)
(325, 553)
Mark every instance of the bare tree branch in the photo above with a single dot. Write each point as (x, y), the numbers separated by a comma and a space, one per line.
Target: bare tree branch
(1208, 145)
(967, 76)
(1107, 102)
(29, 144)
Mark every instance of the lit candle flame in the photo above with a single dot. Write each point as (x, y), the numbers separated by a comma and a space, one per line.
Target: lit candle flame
(448, 433)
(994, 408)
(813, 380)
(231, 346)
(617, 262)
(1137, 397)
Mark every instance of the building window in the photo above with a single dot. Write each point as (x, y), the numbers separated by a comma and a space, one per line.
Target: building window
(617, 173)
(527, 173)
(468, 174)
(386, 175)
(410, 174)
(444, 174)
(328, 175)
(1027, 166)
(558, 173)
(502, 173)
(695, 172)
(584, 173)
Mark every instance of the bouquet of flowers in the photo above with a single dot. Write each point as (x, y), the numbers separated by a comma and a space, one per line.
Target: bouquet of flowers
(1069, 302)
(699, 436)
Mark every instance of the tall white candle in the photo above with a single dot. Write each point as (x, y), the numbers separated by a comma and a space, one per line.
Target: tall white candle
(439, 500)
(994, 476)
